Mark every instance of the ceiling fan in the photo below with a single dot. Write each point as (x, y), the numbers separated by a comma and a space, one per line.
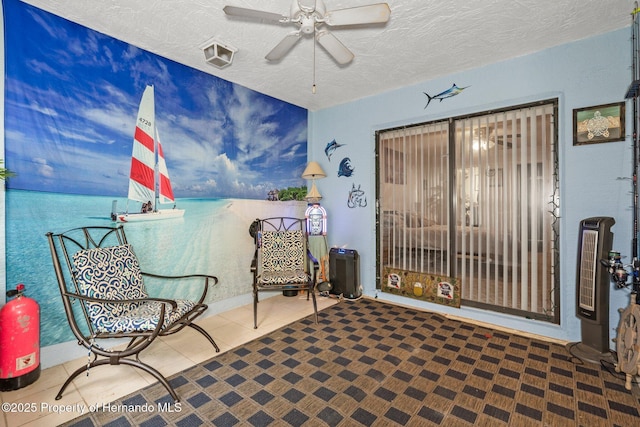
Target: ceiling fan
(308, 15)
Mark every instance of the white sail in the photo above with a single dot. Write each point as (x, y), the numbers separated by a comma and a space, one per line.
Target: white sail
(149, 178)
(165, 192)
(143, 158)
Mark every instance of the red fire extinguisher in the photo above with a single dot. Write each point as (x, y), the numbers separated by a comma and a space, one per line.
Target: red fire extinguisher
(19, 341)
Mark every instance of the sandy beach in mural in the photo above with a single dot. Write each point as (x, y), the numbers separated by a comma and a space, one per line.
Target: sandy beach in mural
(212, 238)
(233, 246)
(248, 210)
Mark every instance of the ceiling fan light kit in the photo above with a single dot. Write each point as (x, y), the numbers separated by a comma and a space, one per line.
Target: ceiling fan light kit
(217, 53)
(308, 15)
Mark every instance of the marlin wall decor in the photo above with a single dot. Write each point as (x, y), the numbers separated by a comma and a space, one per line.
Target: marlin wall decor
(330, 148)
(452, 91)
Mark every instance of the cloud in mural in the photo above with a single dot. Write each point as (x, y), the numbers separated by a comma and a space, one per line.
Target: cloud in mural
(72, 99)
(43, 168)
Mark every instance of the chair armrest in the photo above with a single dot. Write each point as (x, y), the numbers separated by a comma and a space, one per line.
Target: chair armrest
(316, 264)
(131, 350)
(187, 276)
(205, 287)
(173, 304)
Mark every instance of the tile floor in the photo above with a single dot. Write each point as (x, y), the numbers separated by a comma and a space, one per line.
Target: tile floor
(169, 355)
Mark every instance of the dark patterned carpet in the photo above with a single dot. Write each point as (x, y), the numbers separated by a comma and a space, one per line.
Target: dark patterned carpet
(373, 364)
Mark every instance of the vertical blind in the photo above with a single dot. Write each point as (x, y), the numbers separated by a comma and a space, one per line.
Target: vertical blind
(469, 197)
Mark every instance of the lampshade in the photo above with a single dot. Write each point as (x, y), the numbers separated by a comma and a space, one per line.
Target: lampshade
(313, 171)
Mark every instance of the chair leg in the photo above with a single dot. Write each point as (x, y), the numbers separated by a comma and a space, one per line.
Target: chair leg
(206, 334)
(135, 363)
(315, 305)
(74, 375)
(152, 371)
(255, 309)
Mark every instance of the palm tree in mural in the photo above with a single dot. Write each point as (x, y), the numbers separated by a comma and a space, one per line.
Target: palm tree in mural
(292, 193)
(5, 173)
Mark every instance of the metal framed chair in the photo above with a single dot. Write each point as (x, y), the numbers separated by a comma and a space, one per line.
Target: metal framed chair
(282, 260)
(104, 297)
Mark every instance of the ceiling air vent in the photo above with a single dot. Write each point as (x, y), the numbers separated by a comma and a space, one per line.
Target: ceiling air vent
(218, 54)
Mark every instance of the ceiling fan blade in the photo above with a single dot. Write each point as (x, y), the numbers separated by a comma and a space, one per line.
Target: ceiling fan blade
(340, 53)
(371, 14)
(254, 14)
(282, 48)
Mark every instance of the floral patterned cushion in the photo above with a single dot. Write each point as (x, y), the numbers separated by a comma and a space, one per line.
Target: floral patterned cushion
(114, 273)
(283, 258)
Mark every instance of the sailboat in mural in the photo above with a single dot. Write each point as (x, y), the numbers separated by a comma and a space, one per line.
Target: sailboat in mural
(149, 181)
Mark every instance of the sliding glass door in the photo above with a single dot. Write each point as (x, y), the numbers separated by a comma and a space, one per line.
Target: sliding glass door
(414, 179)
(475, 198)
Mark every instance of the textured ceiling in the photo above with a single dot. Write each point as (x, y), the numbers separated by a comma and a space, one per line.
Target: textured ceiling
(423, 39)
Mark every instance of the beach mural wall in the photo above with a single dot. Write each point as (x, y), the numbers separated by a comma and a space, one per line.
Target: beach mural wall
(71, 100)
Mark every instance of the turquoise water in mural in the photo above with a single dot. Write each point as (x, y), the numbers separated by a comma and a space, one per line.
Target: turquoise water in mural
(196, 243)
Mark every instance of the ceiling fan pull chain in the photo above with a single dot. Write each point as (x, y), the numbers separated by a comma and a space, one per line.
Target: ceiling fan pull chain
(313, 87)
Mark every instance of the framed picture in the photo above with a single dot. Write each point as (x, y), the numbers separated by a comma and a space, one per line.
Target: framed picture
(601, 123)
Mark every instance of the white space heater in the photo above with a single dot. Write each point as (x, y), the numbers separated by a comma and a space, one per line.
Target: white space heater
(592, 293)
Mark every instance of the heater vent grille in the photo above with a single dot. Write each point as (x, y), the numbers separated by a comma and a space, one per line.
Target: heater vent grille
(592, 288)
(588, 267)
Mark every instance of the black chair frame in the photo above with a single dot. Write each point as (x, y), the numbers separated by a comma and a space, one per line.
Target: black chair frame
(62, 246)
(281, 224)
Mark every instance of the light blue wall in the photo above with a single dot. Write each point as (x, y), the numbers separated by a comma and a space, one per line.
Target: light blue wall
(589, 72)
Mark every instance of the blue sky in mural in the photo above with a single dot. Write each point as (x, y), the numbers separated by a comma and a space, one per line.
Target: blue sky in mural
(72, 96)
